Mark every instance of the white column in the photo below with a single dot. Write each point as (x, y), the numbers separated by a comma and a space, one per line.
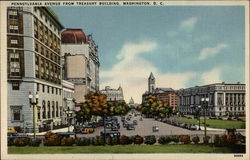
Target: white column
(224, 98)
(215, 98)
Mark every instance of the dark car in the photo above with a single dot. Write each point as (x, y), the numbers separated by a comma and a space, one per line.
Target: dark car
(130, 127)
(110, 134)
(78, 129)
(135, 122)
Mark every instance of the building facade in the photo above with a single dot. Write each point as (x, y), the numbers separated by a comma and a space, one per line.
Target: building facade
(224, 99)
(167, 95)
(113, 94)
(68, 102)
(80, 62)
(33, 48)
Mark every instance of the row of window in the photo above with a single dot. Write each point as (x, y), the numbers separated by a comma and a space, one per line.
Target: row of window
(47, 19)
(49, 89)
(45, 52)
(46, 36)
(233, 108)
(49, 111)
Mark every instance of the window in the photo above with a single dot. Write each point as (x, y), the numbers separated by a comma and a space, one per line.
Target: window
(56, 90)
(13, 41)
(60, 92)
(52, 90)
(43, 87)
(48, 109)
(57, 110)
(48, 89)
(15, 85)
(37, 87)
(13, 14)
(13, 29)
(16, 113)
(36, 47)
(44, 109)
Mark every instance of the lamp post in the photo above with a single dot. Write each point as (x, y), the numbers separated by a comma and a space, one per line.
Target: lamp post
(68, 114)
(199, 114)
(205, 105)
(33, 102)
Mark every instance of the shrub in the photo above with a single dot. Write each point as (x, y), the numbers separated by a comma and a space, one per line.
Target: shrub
(52, 139)
(185, 139)
(35, 142)
(174, 139)
(231, 139)
(67, 141)
(115, 141)
(108, 140)
(21, 141)
(196, 139)
(206, 139)
(82, 141)
(10, 142)
(223, 140)
(48, 134)
(217, 141)
(162, 140)
(240, 137)
(131, 139)
(138, 139)
(150, 140)
(97, 141)
(124, 140)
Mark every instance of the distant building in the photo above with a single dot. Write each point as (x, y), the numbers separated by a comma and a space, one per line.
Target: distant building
(68, 101)
(113, 94)
(33, 48)
(224, 99)
(80, 62)
(167, 95)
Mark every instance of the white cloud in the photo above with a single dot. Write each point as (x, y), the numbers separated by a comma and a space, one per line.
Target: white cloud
(132, 71)
(206, 52)
(212, 76)
(190, 22)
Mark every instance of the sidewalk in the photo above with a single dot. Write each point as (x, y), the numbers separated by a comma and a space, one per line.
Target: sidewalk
(54, 131)
(217, 129)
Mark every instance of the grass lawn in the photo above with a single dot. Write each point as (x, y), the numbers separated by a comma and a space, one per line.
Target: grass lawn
(213, 123)
(184, 148)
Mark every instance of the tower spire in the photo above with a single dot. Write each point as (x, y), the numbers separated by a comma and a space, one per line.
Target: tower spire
(151, 83)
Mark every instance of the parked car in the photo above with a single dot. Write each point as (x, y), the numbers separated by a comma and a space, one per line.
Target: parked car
(135, 122)
(87, 129)
(193, 127)
(78, 129)
(110, 134)
(130, 127)
(128, 119)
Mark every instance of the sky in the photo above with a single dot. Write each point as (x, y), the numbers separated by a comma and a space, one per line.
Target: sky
(183, 46)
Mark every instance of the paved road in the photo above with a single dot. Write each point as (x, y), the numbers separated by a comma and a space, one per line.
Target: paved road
(144, 128)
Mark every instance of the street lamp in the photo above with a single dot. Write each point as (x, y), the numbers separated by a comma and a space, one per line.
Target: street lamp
(69, 113)
(33, 102)
(205, 105)
(199, 114)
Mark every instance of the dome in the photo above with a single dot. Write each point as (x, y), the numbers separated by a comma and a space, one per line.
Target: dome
(74, 36)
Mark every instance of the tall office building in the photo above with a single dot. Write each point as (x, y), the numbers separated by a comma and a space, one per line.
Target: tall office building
(80, 62)
(33, 48)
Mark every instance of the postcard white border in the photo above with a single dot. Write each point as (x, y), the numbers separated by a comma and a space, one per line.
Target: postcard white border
(3, 91)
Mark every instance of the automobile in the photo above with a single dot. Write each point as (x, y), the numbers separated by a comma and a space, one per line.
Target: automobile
(130, 127)
(87, 129)
(11, 129)
(110, 134)
(78, 129)
(67, 134)
(141, 119)
(155, 128)
(135, 122)
(115, 127)
(193, 127)
(125, 123)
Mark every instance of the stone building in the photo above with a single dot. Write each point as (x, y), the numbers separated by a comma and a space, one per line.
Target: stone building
(33, 48)
(68, 102)
(113, 94)
(167, 95)
(224, 99)
(80, 62)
